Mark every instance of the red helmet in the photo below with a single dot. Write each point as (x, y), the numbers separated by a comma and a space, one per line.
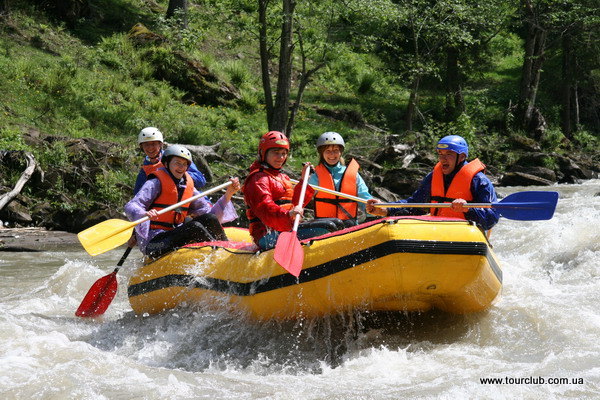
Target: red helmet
(272, 140)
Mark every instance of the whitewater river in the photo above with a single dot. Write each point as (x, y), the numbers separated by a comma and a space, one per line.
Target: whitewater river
(541, 338)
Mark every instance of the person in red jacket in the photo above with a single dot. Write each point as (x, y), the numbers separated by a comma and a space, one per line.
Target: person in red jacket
(271, 199)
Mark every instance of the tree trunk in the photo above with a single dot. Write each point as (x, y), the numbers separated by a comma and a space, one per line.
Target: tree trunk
(567, 87)
(305, 77)
(265, 58)
(279, 119)
(412, 103)
(455, 103)
(178, 9)
(535, 42)
(576, 105)
(4, 7)
(304, 80)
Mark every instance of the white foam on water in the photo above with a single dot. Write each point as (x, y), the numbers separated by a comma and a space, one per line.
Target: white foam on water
(545, 325)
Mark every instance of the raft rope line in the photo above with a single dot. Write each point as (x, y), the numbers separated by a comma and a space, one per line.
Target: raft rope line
(319, 271)
(310, 241)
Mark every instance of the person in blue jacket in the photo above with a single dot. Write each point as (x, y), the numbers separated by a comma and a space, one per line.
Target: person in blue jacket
(453, 180)
(151, 142)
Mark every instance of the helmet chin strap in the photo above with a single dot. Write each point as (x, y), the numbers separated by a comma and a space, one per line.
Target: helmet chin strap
(458, 163)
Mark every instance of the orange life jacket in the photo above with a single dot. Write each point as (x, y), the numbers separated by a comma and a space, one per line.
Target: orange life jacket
(460, 187)
(151, 168)
(167, 197)
(332, 206)
(284, 200)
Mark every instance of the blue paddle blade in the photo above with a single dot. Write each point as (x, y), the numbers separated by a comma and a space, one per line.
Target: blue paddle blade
(528, 206)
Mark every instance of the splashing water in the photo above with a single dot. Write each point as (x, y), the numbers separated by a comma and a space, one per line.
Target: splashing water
(539, 339)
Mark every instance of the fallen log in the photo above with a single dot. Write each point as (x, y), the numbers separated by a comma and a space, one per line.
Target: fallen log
(7, 197)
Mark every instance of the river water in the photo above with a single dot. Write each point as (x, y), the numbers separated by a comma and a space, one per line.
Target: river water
(540, 338)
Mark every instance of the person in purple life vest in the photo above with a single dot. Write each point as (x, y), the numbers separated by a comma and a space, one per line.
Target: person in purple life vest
(170, 185)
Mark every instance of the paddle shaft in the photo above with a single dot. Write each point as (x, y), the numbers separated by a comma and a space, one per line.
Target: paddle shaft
(432, 205)
(335, 193)
(301, 201)
(420, 205)
(522, 206)
(122, 260)
(174, 206)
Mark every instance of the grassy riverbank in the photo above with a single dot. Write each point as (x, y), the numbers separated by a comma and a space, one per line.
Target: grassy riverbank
(87, 79)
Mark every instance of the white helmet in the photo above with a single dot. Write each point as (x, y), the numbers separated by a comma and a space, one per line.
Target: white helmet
(179, 151)
(150, 134)
(329, 138)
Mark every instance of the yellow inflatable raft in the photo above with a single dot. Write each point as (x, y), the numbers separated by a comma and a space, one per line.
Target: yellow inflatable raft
(392, 264)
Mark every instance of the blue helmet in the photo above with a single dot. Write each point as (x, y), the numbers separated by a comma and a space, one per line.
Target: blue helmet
(454, 143)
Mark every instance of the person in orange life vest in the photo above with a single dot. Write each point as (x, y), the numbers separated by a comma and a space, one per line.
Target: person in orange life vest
(151, 142)
(170, 185)
(332, 173)
(271, 199)
(453, 180)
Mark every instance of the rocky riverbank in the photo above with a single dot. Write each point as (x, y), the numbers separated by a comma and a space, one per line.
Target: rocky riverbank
(78, 183)
(35, 239)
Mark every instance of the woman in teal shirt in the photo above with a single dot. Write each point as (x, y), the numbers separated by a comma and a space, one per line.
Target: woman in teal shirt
(332, 173)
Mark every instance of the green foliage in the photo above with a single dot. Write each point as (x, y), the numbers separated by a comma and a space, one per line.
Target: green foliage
(87, 79)
(54, 155)
(181, 39)
(109, 188)
(462, 126)
(587, 141)
(11, 139)
(550, 163)
(238, 73)
(553, 139)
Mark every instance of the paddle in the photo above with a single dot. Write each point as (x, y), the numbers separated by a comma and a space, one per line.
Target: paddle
(288, 250)
(522, 206)
(112, 233)
(333, 192)
(102, 293)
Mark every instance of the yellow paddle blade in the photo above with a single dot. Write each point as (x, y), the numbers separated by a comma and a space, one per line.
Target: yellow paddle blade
(105, 236)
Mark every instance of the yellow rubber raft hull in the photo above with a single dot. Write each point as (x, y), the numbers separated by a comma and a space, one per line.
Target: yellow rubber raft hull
(393, 264)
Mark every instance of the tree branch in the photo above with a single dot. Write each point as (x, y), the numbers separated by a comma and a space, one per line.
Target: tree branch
(7, 197)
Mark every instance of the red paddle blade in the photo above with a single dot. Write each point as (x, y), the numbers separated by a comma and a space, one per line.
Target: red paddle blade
(99, 297)
(289, 253)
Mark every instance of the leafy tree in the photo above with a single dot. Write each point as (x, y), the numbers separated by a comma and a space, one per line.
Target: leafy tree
(469, 29)
(296, 36)
(292, 40)
(578, 28)
(430, 39)
(568, 28)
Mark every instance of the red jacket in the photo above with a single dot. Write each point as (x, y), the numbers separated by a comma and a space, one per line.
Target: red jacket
(263, 189)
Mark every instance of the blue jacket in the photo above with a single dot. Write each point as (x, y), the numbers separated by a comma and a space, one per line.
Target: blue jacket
(481, 187)
(197, 176)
